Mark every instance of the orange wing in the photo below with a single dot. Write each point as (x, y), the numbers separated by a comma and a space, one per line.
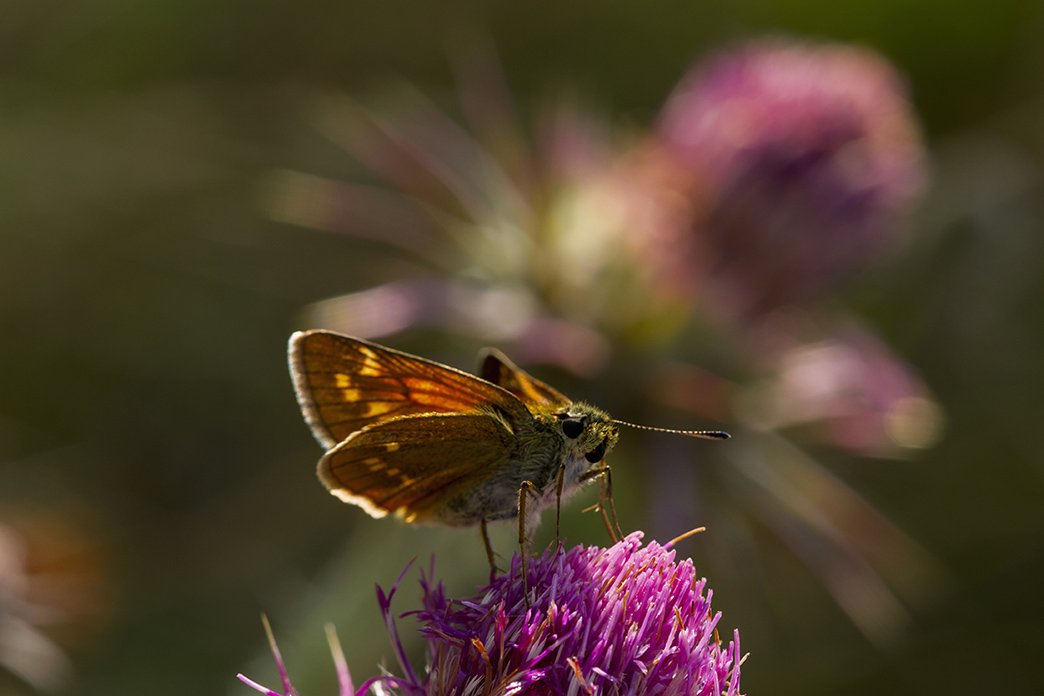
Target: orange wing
(415, 464)
(495, 367)
(344, 384)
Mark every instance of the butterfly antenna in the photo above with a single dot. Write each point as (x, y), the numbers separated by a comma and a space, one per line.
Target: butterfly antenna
(705, 434)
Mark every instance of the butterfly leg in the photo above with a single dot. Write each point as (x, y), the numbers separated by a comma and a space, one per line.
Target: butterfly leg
(605, 504)
(559, 485)
(493, 569)
(607, 480)
(523, 539)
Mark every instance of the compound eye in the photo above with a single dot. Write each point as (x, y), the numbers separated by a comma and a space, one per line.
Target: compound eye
(572, 427)
(597, 453)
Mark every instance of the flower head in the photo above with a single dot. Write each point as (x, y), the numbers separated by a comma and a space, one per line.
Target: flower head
(621, 620)
(863, 397)
(803, 159)
(626, 619)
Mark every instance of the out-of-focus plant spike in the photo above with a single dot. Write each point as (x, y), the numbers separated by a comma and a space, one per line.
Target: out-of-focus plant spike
(488, 104)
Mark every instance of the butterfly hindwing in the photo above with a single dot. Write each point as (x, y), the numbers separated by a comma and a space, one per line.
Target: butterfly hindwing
(344, 384)
(415, 464)
(495, 367)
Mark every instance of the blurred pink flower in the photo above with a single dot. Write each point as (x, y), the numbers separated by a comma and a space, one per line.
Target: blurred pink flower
(854, 390)
(53, 594)
(797, 163)
(520, 247)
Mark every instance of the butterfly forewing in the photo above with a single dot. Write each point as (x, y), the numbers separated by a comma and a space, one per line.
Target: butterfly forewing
(344, 384)
(495, 367)
(415, 464)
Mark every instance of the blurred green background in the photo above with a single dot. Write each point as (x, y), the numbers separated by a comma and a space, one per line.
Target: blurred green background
(150, 445)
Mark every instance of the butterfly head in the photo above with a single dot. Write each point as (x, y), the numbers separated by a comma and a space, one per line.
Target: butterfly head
(589, 432)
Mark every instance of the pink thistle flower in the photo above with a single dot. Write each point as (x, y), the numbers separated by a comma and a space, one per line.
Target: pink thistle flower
(621, 620)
